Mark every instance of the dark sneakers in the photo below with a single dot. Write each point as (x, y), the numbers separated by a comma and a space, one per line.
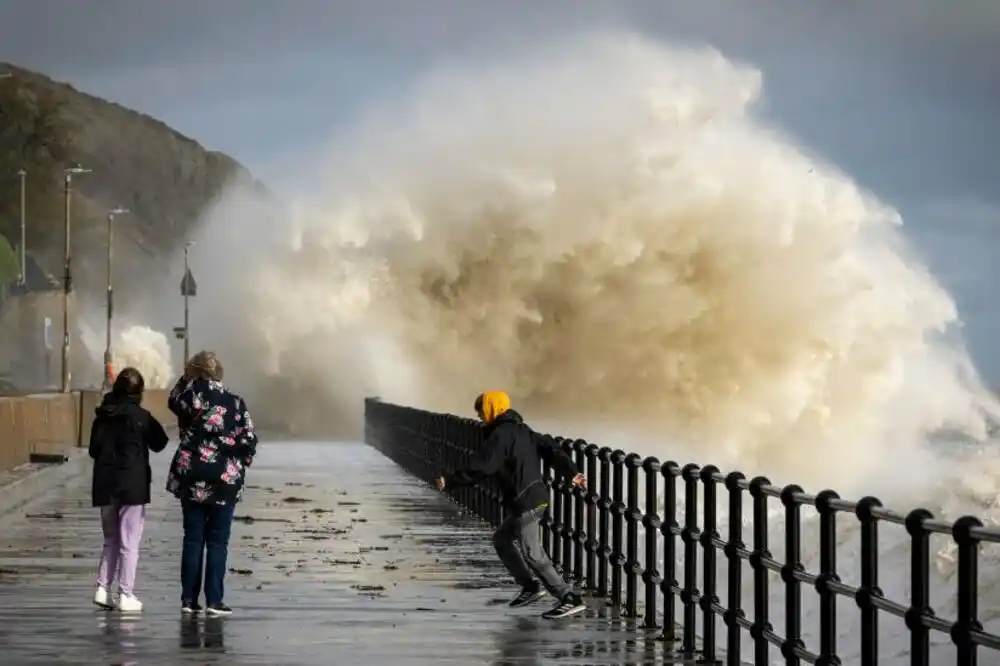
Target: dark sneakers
(527, 596)
(572, 604)
(218, 609)
(190, 607)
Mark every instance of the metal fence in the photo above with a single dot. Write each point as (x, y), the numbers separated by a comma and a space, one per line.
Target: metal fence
(611, 539)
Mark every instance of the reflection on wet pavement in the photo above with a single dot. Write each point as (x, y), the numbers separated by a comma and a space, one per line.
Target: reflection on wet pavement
(338, 557)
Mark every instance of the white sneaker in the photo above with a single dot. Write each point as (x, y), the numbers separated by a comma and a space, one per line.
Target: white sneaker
(103, 599)
(129, 604)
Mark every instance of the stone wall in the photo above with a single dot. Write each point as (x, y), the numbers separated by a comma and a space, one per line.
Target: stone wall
(55, 422)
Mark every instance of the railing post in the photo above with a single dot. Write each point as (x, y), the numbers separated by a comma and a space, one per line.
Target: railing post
(579, 511)
(475, 499)
(489, 496)
(651, 522)
(968, 591)
(761, 602)
(469, 442)
(604, 551)
(869, 590)
(546, 520)
(709, 534)
(593, 498)
(567, 517)
(455, 456)
(633, 517)
(669, 528)
(556, 523)
(617, 524)
(473, 446)
(827, 577)
(792, 566)
(734, 585)
(920, 583)
(689, 536)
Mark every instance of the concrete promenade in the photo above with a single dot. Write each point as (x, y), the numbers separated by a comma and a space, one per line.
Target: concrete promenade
(338, 557)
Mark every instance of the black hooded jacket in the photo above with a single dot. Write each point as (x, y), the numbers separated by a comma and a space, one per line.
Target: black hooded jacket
(513, 454)
(121, 438)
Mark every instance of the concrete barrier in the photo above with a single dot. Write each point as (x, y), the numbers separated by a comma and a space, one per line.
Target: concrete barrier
(53, 423)
(156, 402)
(14, 448)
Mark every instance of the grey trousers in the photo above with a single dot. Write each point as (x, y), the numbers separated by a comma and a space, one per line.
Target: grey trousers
(519, 544)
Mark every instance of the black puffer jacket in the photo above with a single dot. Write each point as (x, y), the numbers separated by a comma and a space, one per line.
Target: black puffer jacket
(121, 438)
(513, 454)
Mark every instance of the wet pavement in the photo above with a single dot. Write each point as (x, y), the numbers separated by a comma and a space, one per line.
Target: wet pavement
(338, 557)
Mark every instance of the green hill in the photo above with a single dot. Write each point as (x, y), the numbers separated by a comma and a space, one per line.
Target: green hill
(9, 262)
(166, 180)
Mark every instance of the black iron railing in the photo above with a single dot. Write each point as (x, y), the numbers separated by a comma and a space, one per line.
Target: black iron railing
(611, 539)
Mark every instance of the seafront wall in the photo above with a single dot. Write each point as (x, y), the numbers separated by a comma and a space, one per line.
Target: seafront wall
(52, 423)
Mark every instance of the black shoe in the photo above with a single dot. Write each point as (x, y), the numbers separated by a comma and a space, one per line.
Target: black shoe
(527, 596)
(572, 604)
(190, 607)
(218, 609)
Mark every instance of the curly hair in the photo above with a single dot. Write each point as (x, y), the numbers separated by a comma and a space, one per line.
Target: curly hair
(204, 365)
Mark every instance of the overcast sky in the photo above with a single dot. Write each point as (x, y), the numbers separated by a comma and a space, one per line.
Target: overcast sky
(903, 94)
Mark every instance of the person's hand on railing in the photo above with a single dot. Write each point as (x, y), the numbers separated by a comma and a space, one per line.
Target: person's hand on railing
(440, 483)
(579, 481)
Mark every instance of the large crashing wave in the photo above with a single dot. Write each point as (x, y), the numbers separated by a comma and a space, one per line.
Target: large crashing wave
(605, 230)
(134, 345)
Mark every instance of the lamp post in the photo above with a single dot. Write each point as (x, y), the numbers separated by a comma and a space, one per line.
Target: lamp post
(67, 271)
(188, 289)
(21, 279)
(108, 370)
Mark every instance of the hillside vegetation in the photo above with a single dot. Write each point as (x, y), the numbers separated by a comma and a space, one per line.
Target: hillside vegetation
(164, 178)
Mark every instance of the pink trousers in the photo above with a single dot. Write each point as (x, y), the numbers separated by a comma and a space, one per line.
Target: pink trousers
(122, 525)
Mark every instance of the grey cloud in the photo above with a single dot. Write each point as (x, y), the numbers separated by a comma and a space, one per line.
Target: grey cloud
(122, 32)
(903, 94)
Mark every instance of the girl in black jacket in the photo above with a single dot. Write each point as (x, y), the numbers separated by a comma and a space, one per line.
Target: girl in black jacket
(121, 438)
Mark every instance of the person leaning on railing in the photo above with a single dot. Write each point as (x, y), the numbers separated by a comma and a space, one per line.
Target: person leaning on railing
(513, 453)
(217, 446)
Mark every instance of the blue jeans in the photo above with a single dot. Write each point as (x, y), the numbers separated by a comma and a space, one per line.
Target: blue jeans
(206, 543)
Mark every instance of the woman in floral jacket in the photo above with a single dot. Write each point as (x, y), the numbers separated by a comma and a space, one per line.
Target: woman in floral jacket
(217, 446)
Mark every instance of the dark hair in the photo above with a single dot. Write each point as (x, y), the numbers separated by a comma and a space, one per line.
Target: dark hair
(479, 404)
(129, 383)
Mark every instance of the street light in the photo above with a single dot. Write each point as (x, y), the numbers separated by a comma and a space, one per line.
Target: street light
(188, 288)
(21, 279)
(67, 271)
(108, 370)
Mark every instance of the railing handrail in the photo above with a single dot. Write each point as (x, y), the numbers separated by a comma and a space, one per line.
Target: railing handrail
(593, 536)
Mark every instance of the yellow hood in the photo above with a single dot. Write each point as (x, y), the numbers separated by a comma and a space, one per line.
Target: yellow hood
(492, 404)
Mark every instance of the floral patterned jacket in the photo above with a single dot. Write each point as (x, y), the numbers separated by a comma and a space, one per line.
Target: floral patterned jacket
(217, 443)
